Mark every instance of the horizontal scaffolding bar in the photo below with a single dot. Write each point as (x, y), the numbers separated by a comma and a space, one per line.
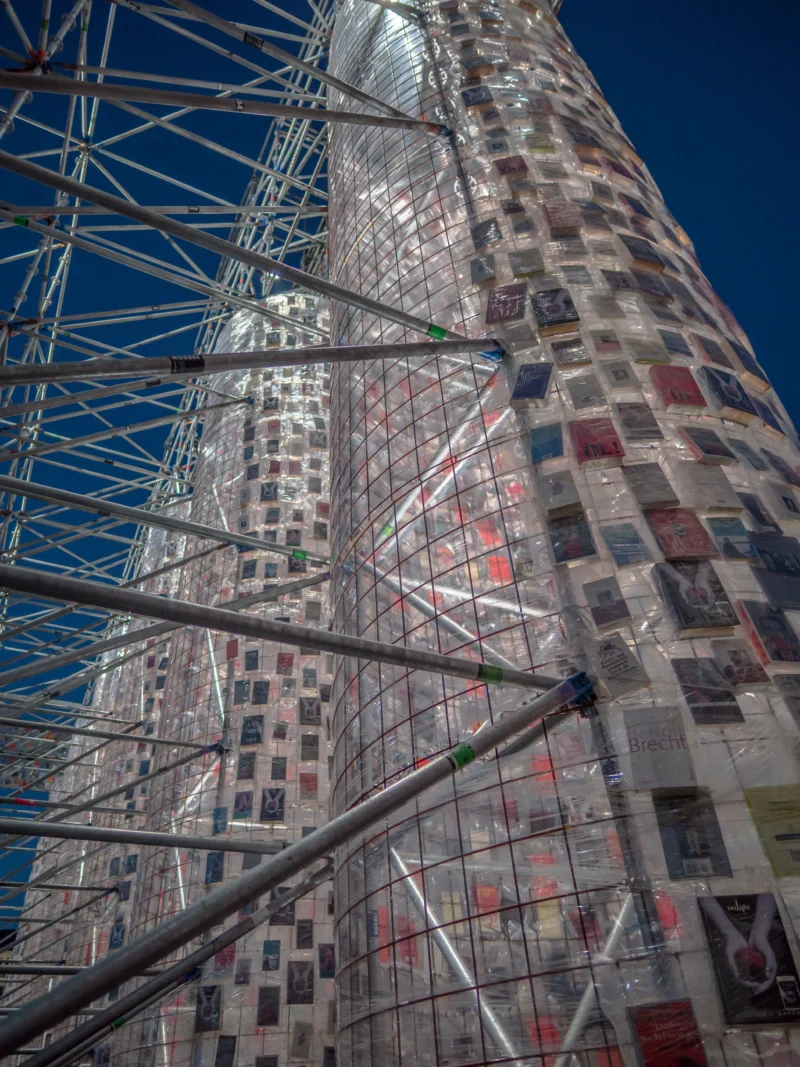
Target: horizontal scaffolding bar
(169, 367)
(55, 587)
(69, 997)
(76, 832)
(20, 487)
(110, 735)
(52, 969)
(228, 250)
(48, 211)
(4, 884)
(202, 102)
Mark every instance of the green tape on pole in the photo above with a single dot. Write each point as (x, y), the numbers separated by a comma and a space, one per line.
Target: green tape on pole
(117, 1023)
(21, 220)
(462, 755)
(489, 674)
(299, 554)
(388, 530)
(438, 333)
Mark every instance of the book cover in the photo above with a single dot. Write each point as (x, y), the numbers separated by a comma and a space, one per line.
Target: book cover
(485, 233)
(782, 501)
(695, 596)
(571, 353)
(775, 811)
(547, 442)
(620, 375)
(727, 395)
(756, 973)
(658, 754)
(732, 539)
(564, 218)
(585, 391)
(667, 1034)
(642, 253)
(691, 836)
(605, 602)
(712, 351)
(706, 445)
(596, 443)
(525, 261)
(751, 372)
(571, 538)
(705, 486)
(638, 422)
(767, 416)
(554, 311)
(616, 666)
(482, 270)
(762, 522)
(650, 485)
(531, 384)
(774, 638)
(625, 544)
(780, 576)
(738, 664)
(680, 534)
(745, 454)
(780, 466)
(677, 389)
(676, 344)
(506, 303)
(559, 495)
(707, 694)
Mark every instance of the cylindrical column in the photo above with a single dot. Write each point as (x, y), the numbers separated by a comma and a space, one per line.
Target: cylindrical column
(594, 503)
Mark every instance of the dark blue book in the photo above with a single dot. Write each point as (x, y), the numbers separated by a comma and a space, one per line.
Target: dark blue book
(625, 544)
(752, 373)
(727, 395)
(547, 442)
(690, 835)
(732, 538)
(676, 344)
(532, 383)
(767, 415)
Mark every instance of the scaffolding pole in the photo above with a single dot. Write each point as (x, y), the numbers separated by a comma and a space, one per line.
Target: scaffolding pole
(174, 367)
(52, 587)
(73, 994)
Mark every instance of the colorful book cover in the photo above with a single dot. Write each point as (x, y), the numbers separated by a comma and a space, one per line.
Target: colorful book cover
(571, 538)
(732, 539)
(738, 664)
(506, 303)
(677, 345)
(775, 640)
(780, 575)
(745, 454)
(728, 395)
(775, 810)
(762, 522)
(554, 310)
(751, 372)
(667, 1034)
(706, 445)
(680, 534)
(547, 442)
(625, 544)
(605, 602)
(676, 387)
(691, 836)
(756, 973)
(570, 353)
(532, 383)
(596, 441)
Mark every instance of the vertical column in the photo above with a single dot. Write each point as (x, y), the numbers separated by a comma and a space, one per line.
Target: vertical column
(617, 496)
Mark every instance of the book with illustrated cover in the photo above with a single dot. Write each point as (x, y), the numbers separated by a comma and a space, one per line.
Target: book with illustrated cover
(554, 312)
(752, 374)
(706, 445)
(616, 666)
(738, 664)
(745, 454)
(650, 485)
(768, 628)
(479, 97)
(606, 603)
(596, 443)
(709, 697)
(625, 544)
(712, 350)
(775, 810)
(638, 422)
(620, 375)
(732, 538)
(571, 353)
(780, 575)
(667, 1034)
(768, 417)
(506, 303)
(705, 486)
(643, 254)
(558, 494)
(676, 344)
(755, 970)
(531, 384)
(585, 391)
(657, 754)
(605, 342)
(782, 501)
(571, 539)
(691, 836)
(727, 395)
(780, 466)
(762, 522)
(677, 389)
(547, 442)
(695, 596)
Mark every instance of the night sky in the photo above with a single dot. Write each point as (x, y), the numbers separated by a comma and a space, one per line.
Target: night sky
(705, 92)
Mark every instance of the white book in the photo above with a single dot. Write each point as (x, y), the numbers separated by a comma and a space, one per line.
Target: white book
(657, 754)
(559, 494)
(705, 487)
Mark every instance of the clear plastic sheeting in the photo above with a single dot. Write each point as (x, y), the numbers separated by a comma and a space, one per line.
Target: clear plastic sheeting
(617, 496)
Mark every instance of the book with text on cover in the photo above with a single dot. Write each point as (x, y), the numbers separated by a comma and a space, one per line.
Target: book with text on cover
(770, 631)
(733, 540)
(780, 575)
(606, 603)
(596, 443)
(690, 835)
(531, 384)
(755, 970)
(554, 312)
(667, 1034)
(680, 534)
(677, 389)
(657, 754)
(547, 442)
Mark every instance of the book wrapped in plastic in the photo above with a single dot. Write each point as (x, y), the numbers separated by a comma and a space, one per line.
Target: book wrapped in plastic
(608, 498)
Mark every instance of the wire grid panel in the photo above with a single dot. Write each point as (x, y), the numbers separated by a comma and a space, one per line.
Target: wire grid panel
(566, 510)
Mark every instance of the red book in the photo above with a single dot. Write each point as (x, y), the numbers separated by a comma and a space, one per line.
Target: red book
(667, 1034)
(677, 388)
(596, 443)
(680, 534)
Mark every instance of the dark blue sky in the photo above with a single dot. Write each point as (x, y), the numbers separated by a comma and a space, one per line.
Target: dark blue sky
(708, 93)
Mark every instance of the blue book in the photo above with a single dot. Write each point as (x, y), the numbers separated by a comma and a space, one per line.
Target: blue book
(547, 442)
(727, 395)
(532, 383)
(625, 544)
(732, 539)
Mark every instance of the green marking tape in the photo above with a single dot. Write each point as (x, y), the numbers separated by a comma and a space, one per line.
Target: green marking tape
(388, 530)
(299, 554)
(117, 1023)
(462, 755)
(438, 333)
(21, 220)
(489, 674)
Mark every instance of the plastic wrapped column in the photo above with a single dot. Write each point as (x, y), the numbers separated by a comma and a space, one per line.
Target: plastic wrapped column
(616, 496)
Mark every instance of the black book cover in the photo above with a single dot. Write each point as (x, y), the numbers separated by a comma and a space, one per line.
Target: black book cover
(707, 693)
(690, 835)
(695, 595)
